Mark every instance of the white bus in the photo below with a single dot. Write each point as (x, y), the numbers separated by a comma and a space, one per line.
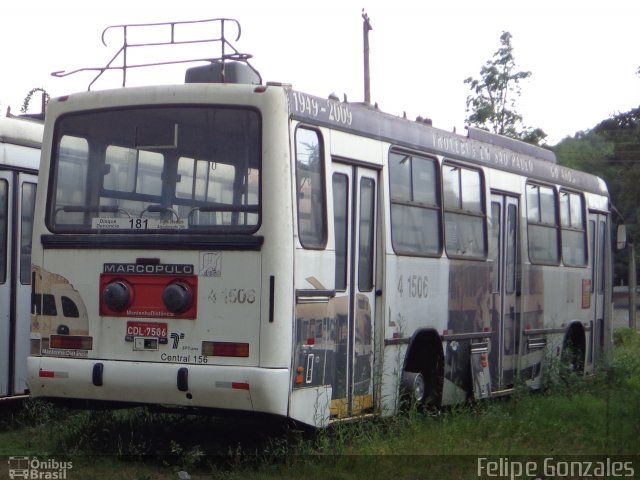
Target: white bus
(249, 247)
(20, 141)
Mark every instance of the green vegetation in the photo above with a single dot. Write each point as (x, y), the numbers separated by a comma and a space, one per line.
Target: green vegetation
(611, 150)
(574, 415)
(492, 106)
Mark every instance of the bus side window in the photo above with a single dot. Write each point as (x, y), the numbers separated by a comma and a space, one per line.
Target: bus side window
(310, 189)
(366, 228)
(415, 206)
(542, 228)
(464, 216)
(341, 227)
(574, 233)
(494, 245)
(602, 233)
(3, 230)
(26, 229)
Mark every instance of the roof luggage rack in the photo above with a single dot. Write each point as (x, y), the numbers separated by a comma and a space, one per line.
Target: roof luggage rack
(228, 53)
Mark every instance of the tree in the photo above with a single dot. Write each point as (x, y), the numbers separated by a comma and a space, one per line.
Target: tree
(587, 151)
(492, 104)
(622, 131)
(611, 150)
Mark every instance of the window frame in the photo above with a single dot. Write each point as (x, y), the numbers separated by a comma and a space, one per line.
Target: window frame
(28, 192)
(459, 210)
(341, 247)
(94, 199)
(538, 223)
(322, 204)
(411, 203)
(571, 228)
(366, 233)
(5, 225)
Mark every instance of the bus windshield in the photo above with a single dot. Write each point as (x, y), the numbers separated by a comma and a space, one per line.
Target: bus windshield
(177, 169)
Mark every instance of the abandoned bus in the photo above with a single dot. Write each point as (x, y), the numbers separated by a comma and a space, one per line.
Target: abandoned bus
(20, 141)
(236, 245)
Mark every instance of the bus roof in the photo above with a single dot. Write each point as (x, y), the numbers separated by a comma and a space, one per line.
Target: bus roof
(232, 66)
(478, 146)
(20, 131)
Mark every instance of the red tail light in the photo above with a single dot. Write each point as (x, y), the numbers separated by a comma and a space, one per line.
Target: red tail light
(71, 342)
(225, 349)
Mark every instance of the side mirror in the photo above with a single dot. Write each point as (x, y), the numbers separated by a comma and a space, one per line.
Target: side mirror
(621, 237)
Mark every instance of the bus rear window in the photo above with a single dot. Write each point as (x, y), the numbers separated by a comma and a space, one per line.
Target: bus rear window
(179, 169)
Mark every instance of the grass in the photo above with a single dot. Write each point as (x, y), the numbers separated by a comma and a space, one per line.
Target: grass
(595, 416)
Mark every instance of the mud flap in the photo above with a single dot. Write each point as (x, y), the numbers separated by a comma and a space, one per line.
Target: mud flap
(480, 370)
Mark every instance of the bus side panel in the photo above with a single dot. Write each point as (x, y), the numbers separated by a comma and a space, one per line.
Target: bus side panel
(27, 184)
(278, 250)
(471, 312)
(415, 289)
(6, 206)
(15, 228)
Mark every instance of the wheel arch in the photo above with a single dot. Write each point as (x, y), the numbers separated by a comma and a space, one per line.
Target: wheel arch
(574, 346)
(425, 355)
(425, 345)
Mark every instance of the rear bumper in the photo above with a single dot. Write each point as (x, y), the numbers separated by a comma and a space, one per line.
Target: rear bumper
(249, 389)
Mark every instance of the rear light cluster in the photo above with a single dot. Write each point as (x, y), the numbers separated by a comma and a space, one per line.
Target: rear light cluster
(71, 342)
(152, 296)
(225, 349)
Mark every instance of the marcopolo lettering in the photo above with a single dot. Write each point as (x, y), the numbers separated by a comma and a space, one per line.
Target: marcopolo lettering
(152, 269)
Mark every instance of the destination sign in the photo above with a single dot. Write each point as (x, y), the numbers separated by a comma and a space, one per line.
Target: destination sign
(137, 224)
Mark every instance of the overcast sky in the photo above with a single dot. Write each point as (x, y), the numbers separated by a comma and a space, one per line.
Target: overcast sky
(583, 55)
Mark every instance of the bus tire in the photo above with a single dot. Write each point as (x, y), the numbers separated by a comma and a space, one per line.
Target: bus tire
(425, 356)
(435, 380)
(413, 390)
(572, 358)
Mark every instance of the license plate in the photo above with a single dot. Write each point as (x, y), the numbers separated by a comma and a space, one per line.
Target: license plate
(147, 329)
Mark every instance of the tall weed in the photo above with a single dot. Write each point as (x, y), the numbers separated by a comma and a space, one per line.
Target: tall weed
(574, 414)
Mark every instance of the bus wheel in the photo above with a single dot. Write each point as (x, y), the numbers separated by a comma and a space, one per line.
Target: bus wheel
(413, 390)
(434, 380)
(573, 352)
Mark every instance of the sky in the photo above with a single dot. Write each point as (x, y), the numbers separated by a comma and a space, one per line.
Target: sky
(583, 55)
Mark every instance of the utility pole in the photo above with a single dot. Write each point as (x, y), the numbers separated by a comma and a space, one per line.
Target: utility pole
(366, 27)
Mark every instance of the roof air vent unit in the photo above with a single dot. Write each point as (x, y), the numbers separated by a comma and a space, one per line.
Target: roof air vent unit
(223, 72)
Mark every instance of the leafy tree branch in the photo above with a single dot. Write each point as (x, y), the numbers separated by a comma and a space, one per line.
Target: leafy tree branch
(492, 106)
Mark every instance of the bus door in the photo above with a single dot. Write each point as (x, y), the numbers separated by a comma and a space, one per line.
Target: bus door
(505, 307)
(355, 210)
(17, 197)
(597, 247)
